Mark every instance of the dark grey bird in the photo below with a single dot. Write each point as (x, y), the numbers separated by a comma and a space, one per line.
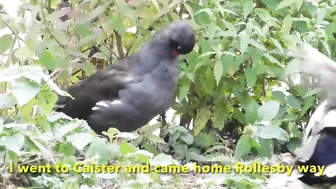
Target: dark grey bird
(319, 140)
(129, 94)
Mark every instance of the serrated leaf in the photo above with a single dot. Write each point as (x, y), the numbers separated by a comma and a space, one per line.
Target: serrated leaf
(268, 110)
(284, 3)
(80, 140)
(230, 27)
(258, 45)
(272, 59)
(248, 7)
(220, 115)
(218, 71)
(251, 77)
(24, 91)
(201, 119)
(207, 54)
(244, 41)
(189, 9)
(184, 89)
(125, 9)
(278, 45)
(6, 42)
(95, 149)
(86, 18)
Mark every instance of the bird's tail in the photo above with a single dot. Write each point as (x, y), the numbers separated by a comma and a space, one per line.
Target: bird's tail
(320, 70)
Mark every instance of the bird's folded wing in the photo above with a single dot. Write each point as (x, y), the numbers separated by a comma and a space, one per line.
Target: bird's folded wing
(102, 85)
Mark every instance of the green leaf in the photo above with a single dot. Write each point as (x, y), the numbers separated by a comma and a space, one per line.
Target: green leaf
(208, 81)
(83, 29)
(6, 42)
(201, 119)
(13, 143)
(293, 101)
(327, 48)
(184, 89)
(294, 145)
(126, 148)
(187, 138)
(266, 149)
(220, 115)
(251, 77)
(218, 71)
(284, 3)
(189, 9)
(24, 53)
(278, 45)
(125, 9)
(272, 59)
(86, 18)
(322, 12)
(156, 139)
(244, 41)
(10, 73)
(268, 110)
(69, 149)
(163, 160)
(272, 132)
(279, 95)
(248, 7)
(243, 146)
(47, 58)
(258, 45)
(117, 24)
(24, 91)
(80, 140)
(95, 149)
(308, 102)
(6, 101)
(287, 24)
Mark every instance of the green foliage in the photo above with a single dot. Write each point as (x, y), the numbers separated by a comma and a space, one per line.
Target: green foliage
(231, 89)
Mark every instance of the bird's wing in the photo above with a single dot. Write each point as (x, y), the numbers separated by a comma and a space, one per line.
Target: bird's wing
(103, 85)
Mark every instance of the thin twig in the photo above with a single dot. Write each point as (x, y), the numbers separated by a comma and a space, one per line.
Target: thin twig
(119, 46)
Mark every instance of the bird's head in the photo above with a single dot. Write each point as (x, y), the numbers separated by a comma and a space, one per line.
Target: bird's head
(181, 37)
